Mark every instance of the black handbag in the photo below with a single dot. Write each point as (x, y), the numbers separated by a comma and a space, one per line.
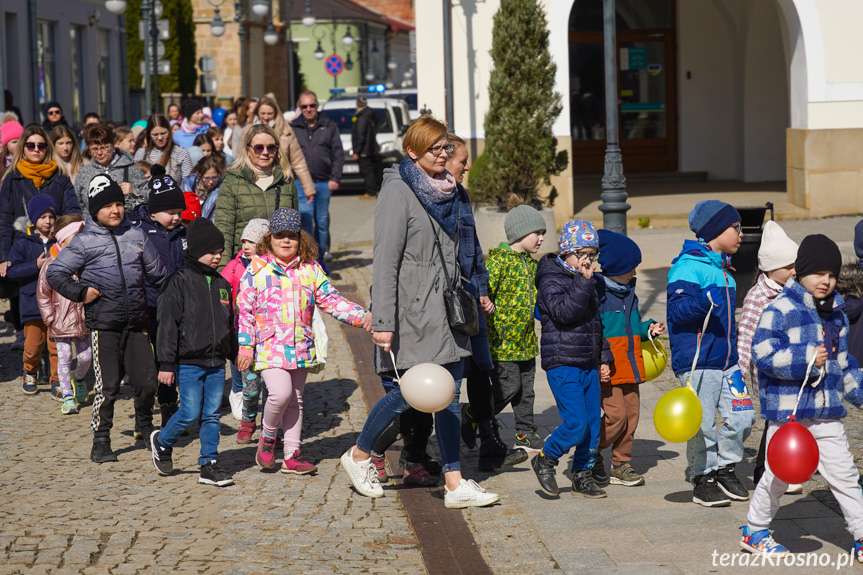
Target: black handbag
(461, 311)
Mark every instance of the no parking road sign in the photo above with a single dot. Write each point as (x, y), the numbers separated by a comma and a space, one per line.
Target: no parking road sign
(334, 65)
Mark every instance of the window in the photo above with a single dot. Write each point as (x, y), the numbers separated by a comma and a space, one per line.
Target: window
(45, 60)
(104, 75)
(76, 45)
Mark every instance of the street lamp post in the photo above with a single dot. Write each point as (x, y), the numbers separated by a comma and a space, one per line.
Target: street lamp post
(613, 206)
(154, 57)
(217, 29)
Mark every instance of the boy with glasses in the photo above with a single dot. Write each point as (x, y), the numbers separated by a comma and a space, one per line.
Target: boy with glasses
(701, 299)
(572, 348)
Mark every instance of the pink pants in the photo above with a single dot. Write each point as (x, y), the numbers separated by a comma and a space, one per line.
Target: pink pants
(284, 405)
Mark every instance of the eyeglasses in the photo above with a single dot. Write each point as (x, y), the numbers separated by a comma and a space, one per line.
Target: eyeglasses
(590, 257)
(100, 149)
(54, 112)
(308, 106)
(259, 148)
(210, 179)
(33, 145)
(438, 150)
(737, 227)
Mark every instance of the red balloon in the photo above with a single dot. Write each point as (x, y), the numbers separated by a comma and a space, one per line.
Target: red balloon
(792, 453)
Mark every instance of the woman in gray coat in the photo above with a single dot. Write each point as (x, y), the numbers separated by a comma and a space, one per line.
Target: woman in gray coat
(417, 202)
(116, 163)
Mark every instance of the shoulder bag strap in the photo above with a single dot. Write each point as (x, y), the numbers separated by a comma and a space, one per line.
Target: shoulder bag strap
(440, 252)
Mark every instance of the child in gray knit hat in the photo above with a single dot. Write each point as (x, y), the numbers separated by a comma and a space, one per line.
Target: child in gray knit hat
(511, 334)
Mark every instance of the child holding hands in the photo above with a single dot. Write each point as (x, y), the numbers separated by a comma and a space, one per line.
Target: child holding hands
(276, 301)
(572, 349)
(801, 351)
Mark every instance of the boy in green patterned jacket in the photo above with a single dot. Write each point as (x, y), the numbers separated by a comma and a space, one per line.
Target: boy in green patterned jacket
(511, 333)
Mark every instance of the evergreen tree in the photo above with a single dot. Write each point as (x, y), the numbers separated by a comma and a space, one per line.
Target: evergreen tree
(520, 148)
(179, 48)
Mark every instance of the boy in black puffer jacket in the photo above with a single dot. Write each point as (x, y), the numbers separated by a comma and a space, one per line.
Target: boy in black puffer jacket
(572, 348)
(112, 260)
(161, 222)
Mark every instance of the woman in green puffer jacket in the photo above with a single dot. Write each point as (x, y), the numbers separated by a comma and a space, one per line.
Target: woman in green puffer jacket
(257, 184)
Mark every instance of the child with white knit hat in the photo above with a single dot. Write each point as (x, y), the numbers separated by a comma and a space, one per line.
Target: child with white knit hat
(776, 258)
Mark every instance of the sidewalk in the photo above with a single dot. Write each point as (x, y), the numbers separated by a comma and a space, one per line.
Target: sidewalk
(650, 529)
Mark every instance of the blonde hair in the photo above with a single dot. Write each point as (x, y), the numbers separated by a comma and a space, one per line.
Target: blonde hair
(279, 120)
(244, 161)
(423, 133)
(50, 153)
(76, 161)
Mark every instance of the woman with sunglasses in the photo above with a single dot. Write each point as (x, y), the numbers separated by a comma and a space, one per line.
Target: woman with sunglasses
(53, 117)
(116, 163)
(35, 171)
(159, 148)
(416, 254)
(257, 184)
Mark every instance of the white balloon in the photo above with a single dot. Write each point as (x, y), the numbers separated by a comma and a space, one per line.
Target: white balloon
(428, 387)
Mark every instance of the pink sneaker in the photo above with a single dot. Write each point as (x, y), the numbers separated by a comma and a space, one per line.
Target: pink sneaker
(266, 455)
(380, 470)
(297, 465)
(417, 475)
(244, 435)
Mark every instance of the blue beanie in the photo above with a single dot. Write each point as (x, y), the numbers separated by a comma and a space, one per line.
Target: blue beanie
(858, 240)
(618, 254)
(709, 218)
(38, 205)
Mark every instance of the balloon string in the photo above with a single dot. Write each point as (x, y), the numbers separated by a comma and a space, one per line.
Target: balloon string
(653, 342)
(395, 369)
(805, 381)
(698, 345)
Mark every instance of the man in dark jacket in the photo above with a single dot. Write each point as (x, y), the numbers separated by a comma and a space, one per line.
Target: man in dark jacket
(365, 145)
(112, 260)
(322, 147)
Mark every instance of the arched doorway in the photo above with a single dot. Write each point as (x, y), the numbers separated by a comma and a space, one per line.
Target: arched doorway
(647, 99)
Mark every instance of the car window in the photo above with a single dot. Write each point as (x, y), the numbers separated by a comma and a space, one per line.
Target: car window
(399, 119)
(344, 118)
(385, 124)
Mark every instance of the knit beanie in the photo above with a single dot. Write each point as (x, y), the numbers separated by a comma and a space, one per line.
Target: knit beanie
(101, 192)
(138, 127)
(709, 218)
(255, 230)
(285, 220)
(818, 253)
(190, 107)
(618, 255)
(203, 237)
(38, 205)
(521, 221)
(577, 234)
(858, 240)
(777, 249)
(10, 128)
(165, 195)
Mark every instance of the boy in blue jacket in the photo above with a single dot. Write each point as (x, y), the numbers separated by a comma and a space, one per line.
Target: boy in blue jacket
(571, 348)
(112, 261)
(700, 286)
(161, 222)
(801, 347)
(26, 258)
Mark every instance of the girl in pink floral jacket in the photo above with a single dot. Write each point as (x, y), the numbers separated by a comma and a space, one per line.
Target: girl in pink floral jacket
(275, 303)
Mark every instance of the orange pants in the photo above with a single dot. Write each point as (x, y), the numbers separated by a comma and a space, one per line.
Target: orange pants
(621, 404)
(35, 337)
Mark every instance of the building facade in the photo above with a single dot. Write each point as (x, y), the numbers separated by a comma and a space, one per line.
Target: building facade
(749, 90)
(71, 51)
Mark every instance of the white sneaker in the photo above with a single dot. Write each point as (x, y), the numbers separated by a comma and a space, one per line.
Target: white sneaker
(363, 475)
(794, 489)
(328, 257)
(236, 401)
(468, 494)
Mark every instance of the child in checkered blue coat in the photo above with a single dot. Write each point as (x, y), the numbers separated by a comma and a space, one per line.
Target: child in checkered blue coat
(803, 337)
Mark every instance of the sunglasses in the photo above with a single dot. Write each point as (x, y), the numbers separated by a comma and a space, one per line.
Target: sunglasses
(592, 258)
(54, 112)
(308, 107)
(259, 148)
(33, 145)
(438, 150)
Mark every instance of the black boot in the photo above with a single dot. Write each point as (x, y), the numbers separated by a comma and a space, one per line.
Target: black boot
(544, 469)
(600, 475)
(493, 452)
(101, 452)
(584, 485)
(468, 427)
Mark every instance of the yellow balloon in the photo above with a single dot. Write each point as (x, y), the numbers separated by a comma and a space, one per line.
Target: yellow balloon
(655, 359)
(677, 416)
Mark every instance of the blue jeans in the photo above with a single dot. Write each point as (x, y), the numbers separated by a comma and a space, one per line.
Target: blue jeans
(316, 216)
(711, 449)
(200, 399)
(236, 379)
(576, 391)
(447, 422)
